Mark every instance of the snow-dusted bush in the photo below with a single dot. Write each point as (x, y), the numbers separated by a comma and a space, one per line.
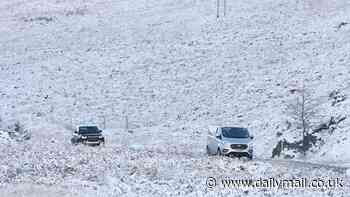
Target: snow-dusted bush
(302, 111)
(18, 132)
(4, 137)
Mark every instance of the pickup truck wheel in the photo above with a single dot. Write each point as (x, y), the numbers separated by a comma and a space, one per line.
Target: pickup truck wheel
(74, 141)
(250, 157)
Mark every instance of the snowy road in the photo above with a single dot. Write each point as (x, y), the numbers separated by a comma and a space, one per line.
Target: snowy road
(339, 168)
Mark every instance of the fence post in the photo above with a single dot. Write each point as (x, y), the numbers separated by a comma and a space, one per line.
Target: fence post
(126, 123)
(104, 122)
(71, 123)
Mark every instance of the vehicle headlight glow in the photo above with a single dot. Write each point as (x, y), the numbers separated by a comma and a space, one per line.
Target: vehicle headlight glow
(227, 145)
(250, 145)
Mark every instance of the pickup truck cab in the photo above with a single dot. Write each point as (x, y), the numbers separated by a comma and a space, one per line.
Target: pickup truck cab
(88, 134)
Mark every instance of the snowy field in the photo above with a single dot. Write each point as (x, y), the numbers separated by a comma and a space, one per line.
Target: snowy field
(172, 68)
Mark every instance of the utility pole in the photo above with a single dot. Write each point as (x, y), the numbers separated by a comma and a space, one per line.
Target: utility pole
(217, 8)
(224, 7)
(303, 119)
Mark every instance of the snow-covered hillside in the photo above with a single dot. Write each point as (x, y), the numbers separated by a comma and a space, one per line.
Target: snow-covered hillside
(172, 68)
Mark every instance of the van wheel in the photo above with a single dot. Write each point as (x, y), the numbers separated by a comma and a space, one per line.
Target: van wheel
(208, 151)
(74, 141)
(218, 152)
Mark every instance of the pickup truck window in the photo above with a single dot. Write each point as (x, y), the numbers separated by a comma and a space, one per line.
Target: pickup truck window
(88, 129)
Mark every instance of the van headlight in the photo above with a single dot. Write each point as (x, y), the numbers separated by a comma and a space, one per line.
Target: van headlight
(226, 145)
(83, 137)
(223, 145)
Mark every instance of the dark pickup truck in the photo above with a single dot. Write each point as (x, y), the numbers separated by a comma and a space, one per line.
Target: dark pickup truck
(90, 135)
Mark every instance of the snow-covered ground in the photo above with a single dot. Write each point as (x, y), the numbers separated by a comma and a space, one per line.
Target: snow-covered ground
(172, 68)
